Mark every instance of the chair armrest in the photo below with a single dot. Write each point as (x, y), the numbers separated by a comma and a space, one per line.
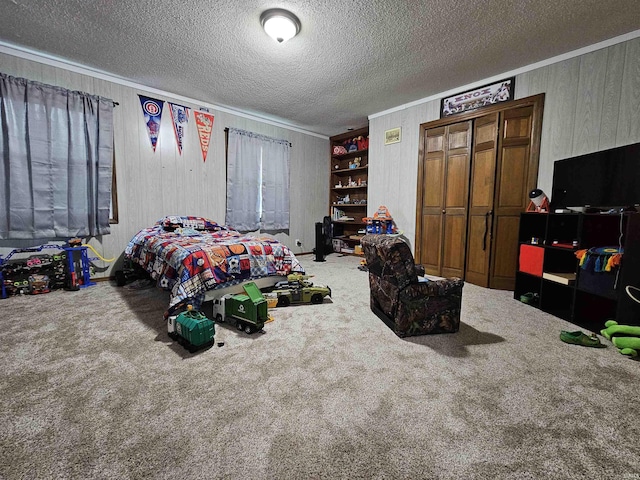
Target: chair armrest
(436, 288)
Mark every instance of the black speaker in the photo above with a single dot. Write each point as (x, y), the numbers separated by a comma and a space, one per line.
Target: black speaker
(327, 231)
(320, 241)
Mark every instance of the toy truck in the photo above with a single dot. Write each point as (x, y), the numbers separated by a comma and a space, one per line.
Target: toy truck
(192, 329)
(298, 289)
(247, 311)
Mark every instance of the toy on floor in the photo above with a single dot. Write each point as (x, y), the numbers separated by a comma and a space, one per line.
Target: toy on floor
(626, 338)
(298, 289)
(581, 338)
(248, 311)
(192, 329)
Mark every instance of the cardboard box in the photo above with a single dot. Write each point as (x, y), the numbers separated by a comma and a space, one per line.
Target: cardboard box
(530, 260)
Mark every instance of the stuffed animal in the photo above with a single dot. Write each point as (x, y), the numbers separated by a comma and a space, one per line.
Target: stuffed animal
(625, 337)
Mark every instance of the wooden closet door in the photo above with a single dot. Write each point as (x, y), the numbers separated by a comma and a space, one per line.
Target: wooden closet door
(456, 197)
(481, 197)
(469, 200)
(445, 180)
(445, 177)
(516, 177)
(433, 168)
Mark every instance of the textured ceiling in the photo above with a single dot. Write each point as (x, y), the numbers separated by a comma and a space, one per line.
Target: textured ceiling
(351, 59)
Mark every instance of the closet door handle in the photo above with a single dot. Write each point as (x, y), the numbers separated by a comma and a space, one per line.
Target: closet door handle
(444, 211)
(487, 216)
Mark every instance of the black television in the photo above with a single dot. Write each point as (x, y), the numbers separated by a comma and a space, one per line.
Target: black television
(609, 178)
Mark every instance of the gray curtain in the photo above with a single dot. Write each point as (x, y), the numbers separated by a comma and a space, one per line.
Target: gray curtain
(57, 155)
(257, 182)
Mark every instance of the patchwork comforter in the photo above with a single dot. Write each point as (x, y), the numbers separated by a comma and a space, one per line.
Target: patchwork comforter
(190, 262)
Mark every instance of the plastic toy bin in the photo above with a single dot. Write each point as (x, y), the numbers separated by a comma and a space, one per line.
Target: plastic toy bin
(530, 260)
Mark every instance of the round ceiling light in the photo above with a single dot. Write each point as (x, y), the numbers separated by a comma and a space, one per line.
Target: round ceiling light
(281, 25)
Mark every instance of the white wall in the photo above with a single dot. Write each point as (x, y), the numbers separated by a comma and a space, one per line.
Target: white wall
(152, 185)
(592, 102)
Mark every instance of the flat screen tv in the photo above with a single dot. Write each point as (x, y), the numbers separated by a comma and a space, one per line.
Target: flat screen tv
(609, 178)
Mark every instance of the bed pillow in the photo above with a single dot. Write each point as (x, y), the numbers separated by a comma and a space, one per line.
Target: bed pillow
(171, 222)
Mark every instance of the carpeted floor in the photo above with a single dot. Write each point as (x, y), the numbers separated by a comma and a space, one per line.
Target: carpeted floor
(92, 387)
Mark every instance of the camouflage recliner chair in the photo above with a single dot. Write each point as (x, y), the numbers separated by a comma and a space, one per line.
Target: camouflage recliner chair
(408, 306)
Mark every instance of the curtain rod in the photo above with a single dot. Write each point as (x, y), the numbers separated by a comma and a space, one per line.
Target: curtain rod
(290, 144)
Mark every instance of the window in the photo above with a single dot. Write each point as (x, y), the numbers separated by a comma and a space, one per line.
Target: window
(257, 182)
(56, 149)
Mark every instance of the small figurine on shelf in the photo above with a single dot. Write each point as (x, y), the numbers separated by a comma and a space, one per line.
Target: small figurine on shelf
(539, 202)
(356, 162)
(363, 143)
(347, 145)
(381, 222)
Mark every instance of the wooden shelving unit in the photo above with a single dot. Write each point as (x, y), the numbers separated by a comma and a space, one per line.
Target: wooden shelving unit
(348, 187)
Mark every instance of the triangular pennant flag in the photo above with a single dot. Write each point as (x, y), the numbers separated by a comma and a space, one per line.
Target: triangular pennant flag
(204, 123)
(180, 117)
(152, 111)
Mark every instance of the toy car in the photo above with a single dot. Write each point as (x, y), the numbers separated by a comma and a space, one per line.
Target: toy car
(297, 289)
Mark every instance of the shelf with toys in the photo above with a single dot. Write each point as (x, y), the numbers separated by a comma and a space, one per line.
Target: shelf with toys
(348, 185)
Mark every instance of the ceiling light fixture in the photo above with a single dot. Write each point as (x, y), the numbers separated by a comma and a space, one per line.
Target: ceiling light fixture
(281, 25)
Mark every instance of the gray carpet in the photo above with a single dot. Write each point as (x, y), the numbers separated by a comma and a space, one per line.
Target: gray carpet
(92, 387)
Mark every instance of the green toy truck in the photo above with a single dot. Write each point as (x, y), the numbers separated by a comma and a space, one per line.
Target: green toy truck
(248, 312)
(192, 329)
(298, 289)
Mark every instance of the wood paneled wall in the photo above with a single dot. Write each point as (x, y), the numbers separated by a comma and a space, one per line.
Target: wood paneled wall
(151, 185)
(592, 103)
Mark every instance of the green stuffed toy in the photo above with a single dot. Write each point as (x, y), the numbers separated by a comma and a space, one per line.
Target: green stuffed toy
(625, 337)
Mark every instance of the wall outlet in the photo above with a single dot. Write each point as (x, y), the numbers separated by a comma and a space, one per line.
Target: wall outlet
(298, 243)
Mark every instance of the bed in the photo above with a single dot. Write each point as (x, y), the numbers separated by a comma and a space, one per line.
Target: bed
(195, 258)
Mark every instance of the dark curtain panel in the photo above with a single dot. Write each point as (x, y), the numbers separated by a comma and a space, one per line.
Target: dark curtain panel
(57, 152)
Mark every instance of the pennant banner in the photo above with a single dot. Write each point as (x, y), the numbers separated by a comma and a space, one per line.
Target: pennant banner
(204, 123)
(152, 111)
(180, 117)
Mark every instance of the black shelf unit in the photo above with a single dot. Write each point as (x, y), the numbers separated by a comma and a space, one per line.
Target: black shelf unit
(587, 299)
